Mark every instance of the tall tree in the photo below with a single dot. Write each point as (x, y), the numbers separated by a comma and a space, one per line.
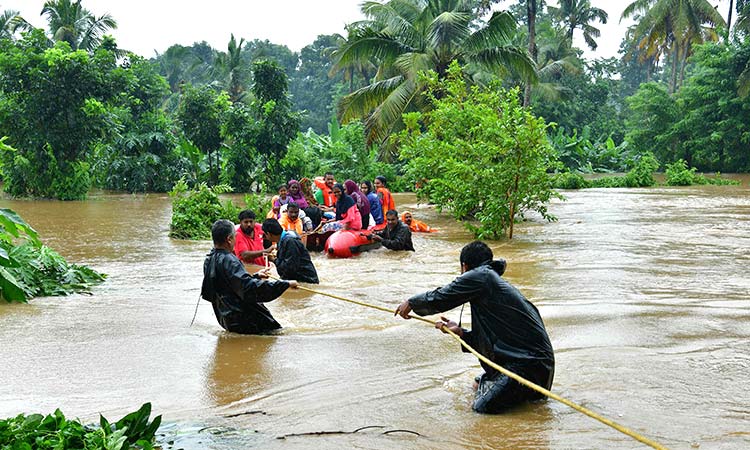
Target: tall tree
(74, 24)
(232, 70)
(579, 14)
(277, 123)
(10, 23)
(675, 25)
(531, 12)
(406, 37)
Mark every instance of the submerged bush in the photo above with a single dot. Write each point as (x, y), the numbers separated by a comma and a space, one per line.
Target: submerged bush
(194, 211)
(569, 180)
(678, 174)
(53, 431)
(29, 269)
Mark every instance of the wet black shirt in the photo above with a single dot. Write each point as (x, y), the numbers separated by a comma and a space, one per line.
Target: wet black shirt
(236, 295)
(505, 326)
(293, 260)
(397, 239)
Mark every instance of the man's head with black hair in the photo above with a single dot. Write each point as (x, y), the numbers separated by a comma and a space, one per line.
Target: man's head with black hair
(222, 233)
(292, 211)
(475, 254)
(391, 218)
(272, 230)
(247, 221)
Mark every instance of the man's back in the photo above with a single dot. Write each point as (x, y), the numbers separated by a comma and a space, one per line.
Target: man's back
(236, 296)
(293, 261)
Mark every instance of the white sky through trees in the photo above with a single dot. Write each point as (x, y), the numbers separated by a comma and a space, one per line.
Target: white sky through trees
(148, 25)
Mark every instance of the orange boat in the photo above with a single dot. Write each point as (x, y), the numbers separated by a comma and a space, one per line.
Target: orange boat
(347, 243)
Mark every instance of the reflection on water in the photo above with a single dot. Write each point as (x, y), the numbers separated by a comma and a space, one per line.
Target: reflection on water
(236, 371)
(644, 293)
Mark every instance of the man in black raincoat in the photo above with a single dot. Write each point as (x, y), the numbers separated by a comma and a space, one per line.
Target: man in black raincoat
(236, 295)
(506, 328)
(292, 261)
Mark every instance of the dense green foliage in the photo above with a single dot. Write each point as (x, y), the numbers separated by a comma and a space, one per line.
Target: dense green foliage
(80, 112)
(479, 154)
(194, 211)
(706, 123)
(404, 37)
(678, 174)
(30, 269)
(343, 151)
(55, 431)
(52, 109)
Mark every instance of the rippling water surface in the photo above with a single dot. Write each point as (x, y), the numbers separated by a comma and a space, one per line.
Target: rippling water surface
(645, 294)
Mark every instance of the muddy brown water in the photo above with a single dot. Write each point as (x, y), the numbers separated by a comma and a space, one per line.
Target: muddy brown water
(645, 294)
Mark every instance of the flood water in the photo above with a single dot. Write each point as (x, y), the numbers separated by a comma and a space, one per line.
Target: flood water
(645, 294)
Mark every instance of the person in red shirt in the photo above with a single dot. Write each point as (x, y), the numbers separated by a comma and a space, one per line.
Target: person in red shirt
(248, 245)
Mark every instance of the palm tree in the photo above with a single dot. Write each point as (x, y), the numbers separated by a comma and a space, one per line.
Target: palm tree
(405, 37)
(74, 24)
(675, 25)
(231, 68)
(579, 14)
(11, 23)
(362, 68)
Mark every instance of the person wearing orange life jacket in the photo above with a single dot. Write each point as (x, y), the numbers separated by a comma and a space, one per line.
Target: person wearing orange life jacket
(415, 225)
(386, 199)
(325, 193)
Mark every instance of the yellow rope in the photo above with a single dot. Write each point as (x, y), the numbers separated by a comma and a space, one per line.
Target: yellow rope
(507, 372)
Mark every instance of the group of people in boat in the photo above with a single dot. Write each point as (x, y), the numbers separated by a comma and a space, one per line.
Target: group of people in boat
(506, 327)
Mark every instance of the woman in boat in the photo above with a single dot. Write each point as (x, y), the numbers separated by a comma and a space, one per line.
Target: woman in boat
(386, 199)
(360, 199)
(295, 193)
(347, 214)
(376, 210)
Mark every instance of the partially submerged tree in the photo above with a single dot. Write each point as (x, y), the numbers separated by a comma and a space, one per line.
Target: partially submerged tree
(480, 154)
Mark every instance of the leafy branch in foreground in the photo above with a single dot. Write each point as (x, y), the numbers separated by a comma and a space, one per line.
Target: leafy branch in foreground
(30, 269)
(134, 431)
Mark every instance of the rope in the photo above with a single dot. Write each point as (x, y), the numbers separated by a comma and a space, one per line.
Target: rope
(506, 372)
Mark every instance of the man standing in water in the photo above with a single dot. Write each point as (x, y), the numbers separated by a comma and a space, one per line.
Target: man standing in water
(506, 328)
(292, 259)
(236, 295)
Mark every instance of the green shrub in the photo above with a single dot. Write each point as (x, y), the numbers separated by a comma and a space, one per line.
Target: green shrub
(194, 211)
(642, 175)
(717, 180)
(55, 431)
(678, 174)
(569, 180)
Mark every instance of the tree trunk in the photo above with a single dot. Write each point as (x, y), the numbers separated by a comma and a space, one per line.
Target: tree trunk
(729, 18)
(675, 57)
(210, 169)
(683, 63)
(531, 16)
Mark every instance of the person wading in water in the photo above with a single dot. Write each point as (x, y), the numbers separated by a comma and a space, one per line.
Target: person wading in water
(237, 297)
(506, 328)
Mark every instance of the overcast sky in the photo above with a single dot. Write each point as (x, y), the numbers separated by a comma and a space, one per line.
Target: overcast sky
(148, 25)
